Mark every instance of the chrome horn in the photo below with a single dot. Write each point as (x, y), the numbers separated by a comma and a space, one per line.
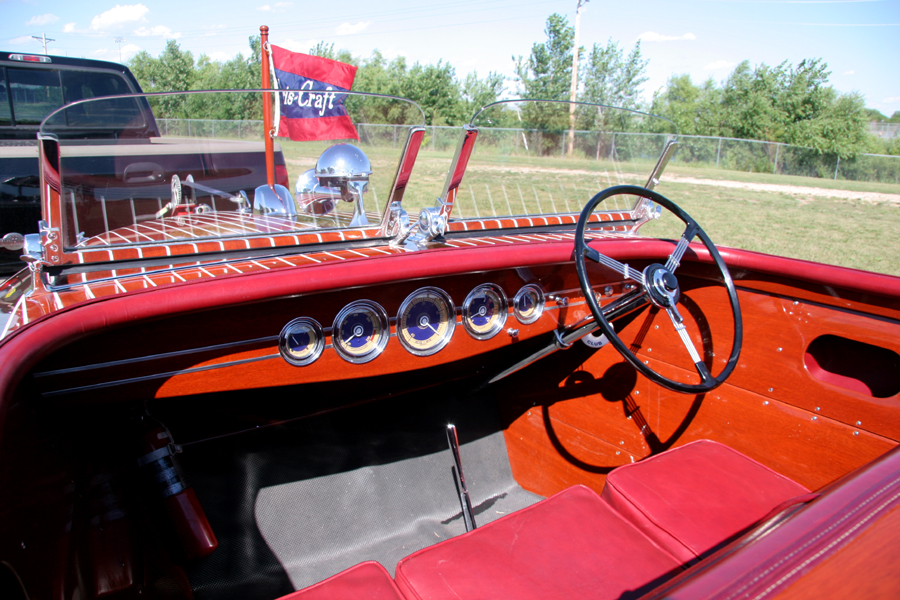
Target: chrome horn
(346, 168)
(313, 198)
(275, 201)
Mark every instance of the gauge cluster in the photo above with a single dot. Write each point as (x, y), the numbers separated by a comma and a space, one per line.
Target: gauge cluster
(424, 325)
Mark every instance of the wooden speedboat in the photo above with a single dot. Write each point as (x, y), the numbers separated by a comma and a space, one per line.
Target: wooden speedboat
(253, 401)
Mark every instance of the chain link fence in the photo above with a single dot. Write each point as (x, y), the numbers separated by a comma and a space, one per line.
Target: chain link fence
(697, 151)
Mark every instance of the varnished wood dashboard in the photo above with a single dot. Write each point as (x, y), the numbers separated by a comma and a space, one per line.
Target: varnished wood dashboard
(237, 347)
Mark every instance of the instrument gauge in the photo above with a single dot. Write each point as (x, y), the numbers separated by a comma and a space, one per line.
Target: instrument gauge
(426, 321)
(301, 341)
(528, 305)
(485, 311)
(361, 331)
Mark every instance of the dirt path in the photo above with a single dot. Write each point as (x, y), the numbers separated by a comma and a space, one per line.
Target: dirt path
(794, 190)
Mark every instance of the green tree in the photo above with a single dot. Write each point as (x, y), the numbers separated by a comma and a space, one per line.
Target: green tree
(480, 92)
(173, 71)
(435, 89)
(547, 74)
(695, 110)
(611, 78)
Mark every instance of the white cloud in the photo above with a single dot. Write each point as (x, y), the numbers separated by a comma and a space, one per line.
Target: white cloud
(119, 15)
(652, 36)
(43, 19)
(850, 72)
(129, 50)
(719, 64)
(892, 99)
(69, 28)
(219, 56)
(18, 41)
(264, 8)
(348, 29)
(159, 31)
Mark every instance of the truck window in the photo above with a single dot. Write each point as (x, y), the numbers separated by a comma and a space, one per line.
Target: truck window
(5, 110)
(38, 92)
(118, 114)
(35, 94)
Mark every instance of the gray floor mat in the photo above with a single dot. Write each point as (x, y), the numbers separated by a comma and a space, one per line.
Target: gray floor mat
(321, 526)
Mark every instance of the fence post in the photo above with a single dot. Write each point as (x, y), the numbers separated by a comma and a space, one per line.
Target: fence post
(562, 152)
(775, 166)
(433, 137)
(395, 136)
(838, 166)
(719, 153)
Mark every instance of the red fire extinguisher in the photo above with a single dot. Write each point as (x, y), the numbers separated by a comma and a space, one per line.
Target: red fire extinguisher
(165, 481)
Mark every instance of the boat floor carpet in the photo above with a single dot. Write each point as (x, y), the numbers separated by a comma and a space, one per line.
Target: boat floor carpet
(295, 503)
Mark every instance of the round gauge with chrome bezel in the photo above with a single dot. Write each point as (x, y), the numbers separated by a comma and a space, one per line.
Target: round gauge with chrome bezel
(528, 305)
(361, 331)
(485, 311)
(426, 321)
(301, 341)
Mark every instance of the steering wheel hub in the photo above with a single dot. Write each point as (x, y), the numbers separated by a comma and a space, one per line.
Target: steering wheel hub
(662, 286)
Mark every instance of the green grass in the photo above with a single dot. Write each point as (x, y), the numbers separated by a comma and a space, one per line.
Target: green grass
(849, 233)
(747, 177)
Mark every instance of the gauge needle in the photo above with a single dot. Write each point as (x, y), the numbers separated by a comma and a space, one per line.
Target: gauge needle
(432, 328)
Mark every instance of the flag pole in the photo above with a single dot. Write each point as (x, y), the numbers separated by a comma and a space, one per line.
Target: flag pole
(267, 108)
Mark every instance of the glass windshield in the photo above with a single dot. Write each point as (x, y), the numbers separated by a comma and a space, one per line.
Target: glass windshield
(529, 160)
(160, 168)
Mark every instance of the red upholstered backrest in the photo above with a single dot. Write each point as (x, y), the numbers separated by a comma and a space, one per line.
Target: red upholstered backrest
(691, 498)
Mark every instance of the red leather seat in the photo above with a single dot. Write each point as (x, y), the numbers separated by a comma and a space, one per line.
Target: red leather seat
(365, 581)
(571, 545)
(691, 498)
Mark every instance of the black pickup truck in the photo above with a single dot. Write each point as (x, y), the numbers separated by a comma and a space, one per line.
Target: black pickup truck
(33, 86)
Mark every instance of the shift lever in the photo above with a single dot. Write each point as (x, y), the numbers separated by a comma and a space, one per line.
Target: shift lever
(464, 500)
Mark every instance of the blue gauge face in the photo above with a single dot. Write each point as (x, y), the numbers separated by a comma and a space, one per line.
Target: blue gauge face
(426, 321)
(528, 304)
(484, 311)
(360, 331)
(301, 341)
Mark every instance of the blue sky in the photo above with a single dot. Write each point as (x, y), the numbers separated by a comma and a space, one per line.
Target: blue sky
(859, 39)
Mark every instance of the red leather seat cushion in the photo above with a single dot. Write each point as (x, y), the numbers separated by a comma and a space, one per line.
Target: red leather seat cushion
(366, 581)
(571, 545)
(691, 498)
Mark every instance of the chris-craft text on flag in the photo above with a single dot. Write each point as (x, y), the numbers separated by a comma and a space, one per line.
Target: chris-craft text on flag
(310, 102)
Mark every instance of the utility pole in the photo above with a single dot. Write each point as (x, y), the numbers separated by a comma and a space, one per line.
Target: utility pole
(119, 41)
(44, 39)
(574, 92)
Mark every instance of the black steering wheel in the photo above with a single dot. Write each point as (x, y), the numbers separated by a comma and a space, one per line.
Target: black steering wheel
(659, 286)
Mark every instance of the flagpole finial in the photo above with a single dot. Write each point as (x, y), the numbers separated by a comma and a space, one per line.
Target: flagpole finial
(264, 29)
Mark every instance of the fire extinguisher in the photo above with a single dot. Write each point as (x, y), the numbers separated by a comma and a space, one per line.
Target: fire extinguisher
(166, 484)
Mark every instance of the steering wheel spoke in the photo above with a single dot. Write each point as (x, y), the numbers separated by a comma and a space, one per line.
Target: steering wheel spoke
(678, 322)
(620, 268)
(674, 260)
(660, 287)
